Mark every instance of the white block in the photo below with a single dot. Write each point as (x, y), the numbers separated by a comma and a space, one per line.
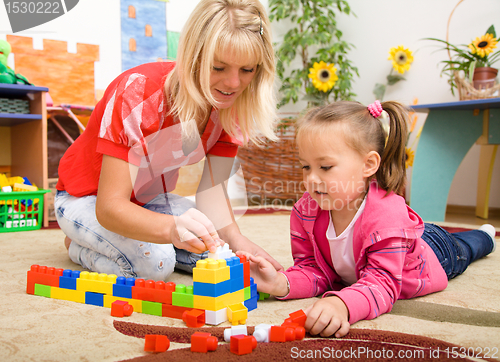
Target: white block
(215, 317)
(7, 189)
(223, 252)
(234, 331)
(261, 332)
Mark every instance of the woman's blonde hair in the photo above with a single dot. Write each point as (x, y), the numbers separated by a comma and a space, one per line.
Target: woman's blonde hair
(219, 27)
(364, 133)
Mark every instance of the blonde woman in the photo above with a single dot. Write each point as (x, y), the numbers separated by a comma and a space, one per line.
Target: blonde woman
(114, 202)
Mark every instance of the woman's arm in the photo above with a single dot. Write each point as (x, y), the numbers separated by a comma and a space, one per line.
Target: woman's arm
(117, 213)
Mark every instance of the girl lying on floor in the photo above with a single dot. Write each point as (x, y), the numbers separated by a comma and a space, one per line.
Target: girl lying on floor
(354, 239)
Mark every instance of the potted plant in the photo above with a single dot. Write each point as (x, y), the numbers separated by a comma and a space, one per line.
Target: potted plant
(475, 60)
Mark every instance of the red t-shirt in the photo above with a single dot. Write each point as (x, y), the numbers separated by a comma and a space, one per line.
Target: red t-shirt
(130, 123)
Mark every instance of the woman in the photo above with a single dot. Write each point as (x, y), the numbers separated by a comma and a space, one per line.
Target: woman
(113, 201)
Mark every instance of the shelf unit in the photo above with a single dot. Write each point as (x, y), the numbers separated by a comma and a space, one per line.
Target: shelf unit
(28, 136)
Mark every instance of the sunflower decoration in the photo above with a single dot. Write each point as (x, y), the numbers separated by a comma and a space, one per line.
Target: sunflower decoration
(410, 156)
(401, 59)
(323, 76)
(483, 45)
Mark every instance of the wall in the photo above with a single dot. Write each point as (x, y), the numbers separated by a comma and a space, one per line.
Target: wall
(378, 26)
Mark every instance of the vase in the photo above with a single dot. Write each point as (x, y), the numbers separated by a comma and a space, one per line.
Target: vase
(484, 77)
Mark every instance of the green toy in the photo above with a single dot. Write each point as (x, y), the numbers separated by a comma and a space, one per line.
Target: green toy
(7, 75)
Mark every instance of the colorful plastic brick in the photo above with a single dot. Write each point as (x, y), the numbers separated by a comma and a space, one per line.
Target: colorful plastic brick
(234, 331)
(203, 342)
(156, 343)
(183, 296)
(210, 303)
(211, 271)
(94, 299)
(172, 311)
(119, 308)
(299, 317)
(246, 271)
(68, 294)
(237, 314)
(261, 332)
(152, 308)
(43, 290)
(95, 282)
(222, 252)
(109, 299)
(281, 334)
(242, 344)
(215, 317)
(68, 279)
(251, 303)
(212, 290)
(235, 266)
(123, 287)
(42, 275)
(152, 291)
(235, 297)
(194, 318)
(263, 296)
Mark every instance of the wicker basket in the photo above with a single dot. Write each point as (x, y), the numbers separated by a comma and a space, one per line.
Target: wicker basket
(272, 172)
(466, 90)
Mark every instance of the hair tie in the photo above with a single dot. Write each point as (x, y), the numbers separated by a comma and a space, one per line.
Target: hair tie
(375, 109)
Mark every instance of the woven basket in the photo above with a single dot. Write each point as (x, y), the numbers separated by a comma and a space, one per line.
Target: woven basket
(466, 90)
(272, 172)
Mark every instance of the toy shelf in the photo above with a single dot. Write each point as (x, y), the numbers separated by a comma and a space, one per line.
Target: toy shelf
(28, 135)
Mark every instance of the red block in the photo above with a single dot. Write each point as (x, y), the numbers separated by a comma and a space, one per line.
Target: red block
(152, 291)
(194, 318)
(44, 276)
(173, 311)
(246, 270)
(241, 344)
(203, 342)
(156, 343)
(299, 317)
(120, 308)
(281, 334)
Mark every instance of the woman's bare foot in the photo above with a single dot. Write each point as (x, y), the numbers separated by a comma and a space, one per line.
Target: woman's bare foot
(67, 242)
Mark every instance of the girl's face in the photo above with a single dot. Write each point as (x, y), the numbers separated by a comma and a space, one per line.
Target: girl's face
(229, 78)
(334, 174)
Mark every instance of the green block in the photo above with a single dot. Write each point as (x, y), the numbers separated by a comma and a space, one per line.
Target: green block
(152, 308)
(183, 296)
(43, 290)
(263, 296)
(247, 293)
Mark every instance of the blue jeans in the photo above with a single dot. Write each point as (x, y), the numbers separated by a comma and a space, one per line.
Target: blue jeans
(456, 251)
(100, 250)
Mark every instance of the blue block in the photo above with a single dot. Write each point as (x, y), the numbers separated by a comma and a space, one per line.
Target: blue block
(123, 287)
(251, 303)
(237, 284)
(212, 290)
(68, 279)
(253, 288)
(235, 267)
(94, 299)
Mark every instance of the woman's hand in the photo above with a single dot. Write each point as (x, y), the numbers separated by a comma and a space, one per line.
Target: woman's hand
(266, 277)
(194, 232)
(328, 316)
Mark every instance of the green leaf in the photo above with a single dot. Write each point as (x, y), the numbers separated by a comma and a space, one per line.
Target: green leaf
(491, 30)
(379, 91)
(393, 79)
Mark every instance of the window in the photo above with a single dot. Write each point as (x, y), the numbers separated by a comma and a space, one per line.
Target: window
(149, 30)
(131, 45)
(131, 11)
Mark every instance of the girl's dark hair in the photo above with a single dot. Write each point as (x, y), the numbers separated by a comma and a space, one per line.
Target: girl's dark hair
(365, 133)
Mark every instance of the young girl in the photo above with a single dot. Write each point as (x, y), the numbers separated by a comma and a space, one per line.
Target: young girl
(354, 239)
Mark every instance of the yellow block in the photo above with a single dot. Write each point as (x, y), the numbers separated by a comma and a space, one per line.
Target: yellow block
(3, 180)
(23, 187)
(68, 294)
(15, 180)
(209, 303)
(97, 283)
(235, 297)
(237, 313)
(136, 303)
(210, 271)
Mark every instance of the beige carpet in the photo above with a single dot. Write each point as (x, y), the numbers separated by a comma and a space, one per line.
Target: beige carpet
(35, 328)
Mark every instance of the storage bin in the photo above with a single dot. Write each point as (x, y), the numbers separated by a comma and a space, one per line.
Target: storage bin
(21, 210)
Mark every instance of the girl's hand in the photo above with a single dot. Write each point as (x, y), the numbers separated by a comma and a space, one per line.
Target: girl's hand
(266, 277)
(244, 244)
(194, 232)
(328, 316)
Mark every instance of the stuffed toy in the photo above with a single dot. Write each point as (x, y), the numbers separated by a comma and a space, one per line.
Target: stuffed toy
(7, 75)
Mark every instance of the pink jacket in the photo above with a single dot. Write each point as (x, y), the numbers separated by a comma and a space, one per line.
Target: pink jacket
(392, 260)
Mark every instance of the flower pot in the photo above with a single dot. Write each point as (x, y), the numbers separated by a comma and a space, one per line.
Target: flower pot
(484, 77)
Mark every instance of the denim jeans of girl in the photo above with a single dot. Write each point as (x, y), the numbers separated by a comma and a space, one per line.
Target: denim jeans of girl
(456, 251)
(100, 250)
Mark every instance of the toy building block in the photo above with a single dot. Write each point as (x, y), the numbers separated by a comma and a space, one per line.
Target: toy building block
(246, 271)
(109, 299)
(215, 317)
(15, 180)
(210, 303)
(235, 266)
(241, 344)
(23, 187)
(298, 317)
(203, 342)
(234, 331)
(152, 291)
(95, 282)
(263, 296)
(156, 343)
(211, 271)
(194, 318)
(119, 308)
(68, 294)
(251, 303)
(123, 287)
(222, 252)
(94, 299)
(173, 311)
(281, 334)
(152, 308)
(213, 290)
(42, 275)
(183, 296)
(3, 180)
(235, 297)
(43, 290)
(68, 279)
(262, 332)
(237, 314)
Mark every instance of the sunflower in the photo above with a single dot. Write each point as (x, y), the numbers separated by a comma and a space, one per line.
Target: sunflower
(410, 156)
(323, 76)
(483, 45)
(401, 59)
